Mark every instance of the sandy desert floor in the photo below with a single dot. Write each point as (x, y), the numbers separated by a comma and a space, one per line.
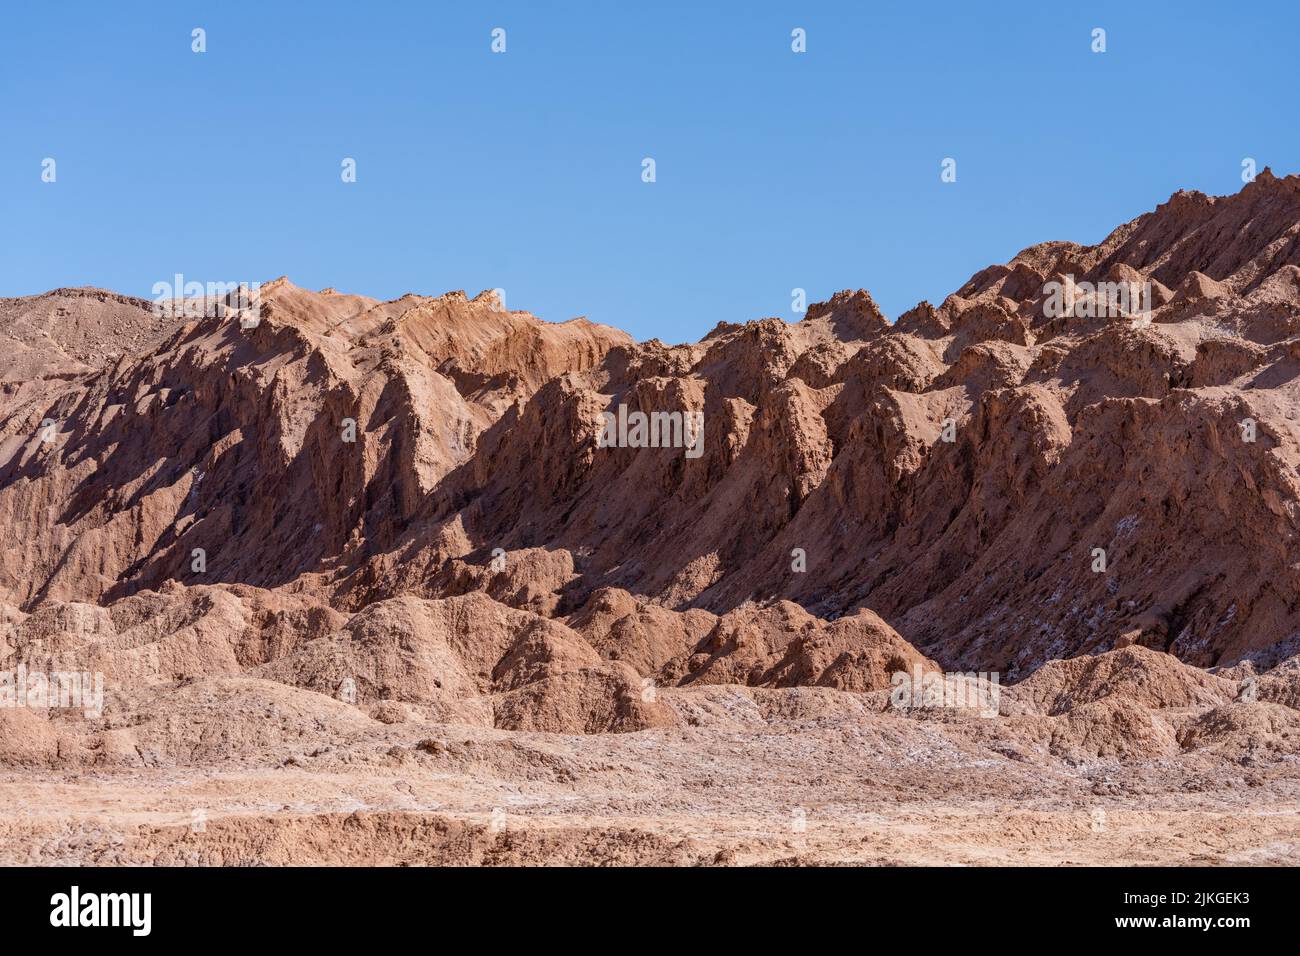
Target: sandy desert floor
(877, 790)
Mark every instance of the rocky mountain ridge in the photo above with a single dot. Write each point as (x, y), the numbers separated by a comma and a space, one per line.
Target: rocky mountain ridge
(413, 495)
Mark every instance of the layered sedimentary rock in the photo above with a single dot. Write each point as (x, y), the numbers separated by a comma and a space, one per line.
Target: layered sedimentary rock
(356, 515)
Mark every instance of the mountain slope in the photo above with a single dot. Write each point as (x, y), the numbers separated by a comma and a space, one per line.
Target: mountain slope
(943, 480)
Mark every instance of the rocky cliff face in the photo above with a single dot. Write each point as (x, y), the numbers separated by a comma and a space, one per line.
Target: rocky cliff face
(416, 497)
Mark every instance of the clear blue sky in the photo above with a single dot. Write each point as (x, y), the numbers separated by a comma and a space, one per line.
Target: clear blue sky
(523, 170)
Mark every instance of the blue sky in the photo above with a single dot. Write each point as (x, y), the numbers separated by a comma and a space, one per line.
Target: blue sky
(522, 170)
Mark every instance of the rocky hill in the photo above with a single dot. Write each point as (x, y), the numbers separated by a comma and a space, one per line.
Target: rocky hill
(1080, 470)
